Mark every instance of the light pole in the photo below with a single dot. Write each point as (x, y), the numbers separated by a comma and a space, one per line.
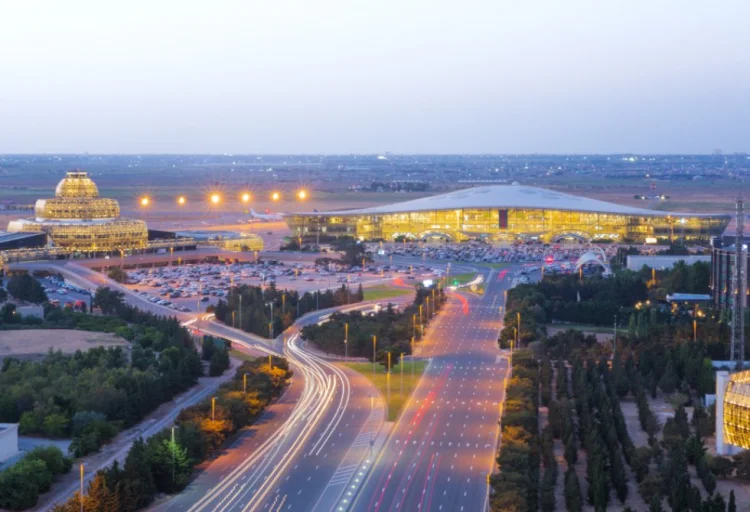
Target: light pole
(412, 357)
(374, 345)
(81, 491)
(518, 317)
(414, 327)
(346, 341)
(240, 315)
(244, 384)
(270, 324)
(213, 409)
(402, 374)
(173, 455)
(695, 329)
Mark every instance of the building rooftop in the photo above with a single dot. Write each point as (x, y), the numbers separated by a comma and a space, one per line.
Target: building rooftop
(506, 196)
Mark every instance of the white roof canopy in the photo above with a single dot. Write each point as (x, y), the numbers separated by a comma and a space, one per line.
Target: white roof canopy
(506, 196)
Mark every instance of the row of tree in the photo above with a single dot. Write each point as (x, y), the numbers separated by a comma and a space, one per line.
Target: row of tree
(260, 311)
(165, 463)
(91, 395)
(393, 329)
(516, 486)
(22, 483)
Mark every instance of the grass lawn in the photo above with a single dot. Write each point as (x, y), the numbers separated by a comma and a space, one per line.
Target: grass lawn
(495, 265)
(585, 327)
(242, 356)
(461, 278)
(397, 399)
(385, 292)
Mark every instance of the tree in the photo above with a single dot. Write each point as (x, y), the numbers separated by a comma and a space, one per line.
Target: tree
(720, 466)
(117, 274)
(655, 504)
(742, 465)
(26, 288)
(571, 450)
(670, 380)
(732, 507)
(573, 497)
(108, 300)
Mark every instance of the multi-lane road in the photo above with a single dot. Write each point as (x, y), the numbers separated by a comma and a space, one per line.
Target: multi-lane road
(318, 447)
(439, 454)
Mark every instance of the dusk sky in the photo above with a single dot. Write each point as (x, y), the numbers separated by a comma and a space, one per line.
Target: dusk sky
(355, 76)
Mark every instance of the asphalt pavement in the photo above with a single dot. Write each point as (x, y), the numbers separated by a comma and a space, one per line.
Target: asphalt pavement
(442, 449)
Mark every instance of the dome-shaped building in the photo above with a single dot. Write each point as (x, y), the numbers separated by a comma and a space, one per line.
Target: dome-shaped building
(79, 220)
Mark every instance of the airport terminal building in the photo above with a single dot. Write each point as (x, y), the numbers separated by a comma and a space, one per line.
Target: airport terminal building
(510, 212)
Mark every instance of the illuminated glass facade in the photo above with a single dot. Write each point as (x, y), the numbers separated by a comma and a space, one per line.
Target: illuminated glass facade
(77, 219)
(546, 224)
(737, 410)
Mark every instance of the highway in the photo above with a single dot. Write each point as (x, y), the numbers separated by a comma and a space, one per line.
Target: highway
(441, 450)
(317, 448)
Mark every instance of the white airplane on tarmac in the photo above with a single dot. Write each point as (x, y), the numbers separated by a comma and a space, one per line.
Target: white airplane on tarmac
(267, 216)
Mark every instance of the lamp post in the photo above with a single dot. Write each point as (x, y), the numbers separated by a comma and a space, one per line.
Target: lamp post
(374, 345)
(518, 317)
(270, 324)
(346, 341)
(213, 409)
(402, 374)
(244, 384)
(240, 307)
(81, 490)
(695, 329)
(414, 327)
(173, 455)
(412, 356)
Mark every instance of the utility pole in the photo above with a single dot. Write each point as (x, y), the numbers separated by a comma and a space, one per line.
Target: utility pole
(346, 341)
(738, 310)
(614, 341)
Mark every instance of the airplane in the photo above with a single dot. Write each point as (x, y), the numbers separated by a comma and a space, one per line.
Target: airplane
(266, 217)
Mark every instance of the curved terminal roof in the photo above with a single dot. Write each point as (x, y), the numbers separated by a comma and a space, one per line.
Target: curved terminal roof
(507, 196)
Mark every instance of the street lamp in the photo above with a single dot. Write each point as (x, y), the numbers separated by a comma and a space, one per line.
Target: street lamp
(275, 196)
(374, 344)
(145, 201)
(302, 195)
(181, 201)
(245, 197)
(270, 324)
(213, 409)
(215, 199)
(346, 341)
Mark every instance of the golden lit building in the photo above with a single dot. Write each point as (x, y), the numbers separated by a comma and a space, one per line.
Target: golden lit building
(509, 212)
(77, 219)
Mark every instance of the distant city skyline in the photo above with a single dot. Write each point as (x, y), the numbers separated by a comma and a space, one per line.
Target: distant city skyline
(340, 77)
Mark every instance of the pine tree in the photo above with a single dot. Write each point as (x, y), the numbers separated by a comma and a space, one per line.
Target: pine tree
(573, 497)
(571, 451)
(670, 380)
(732, 505)
(655, 505)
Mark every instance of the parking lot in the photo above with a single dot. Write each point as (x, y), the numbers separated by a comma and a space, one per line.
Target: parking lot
(194, 287)
(65, 294)
(478, 252)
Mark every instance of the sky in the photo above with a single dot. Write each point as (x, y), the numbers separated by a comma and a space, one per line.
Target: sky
(363, 76)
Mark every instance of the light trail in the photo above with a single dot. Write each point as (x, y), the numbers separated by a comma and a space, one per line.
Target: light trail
(259, 473)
